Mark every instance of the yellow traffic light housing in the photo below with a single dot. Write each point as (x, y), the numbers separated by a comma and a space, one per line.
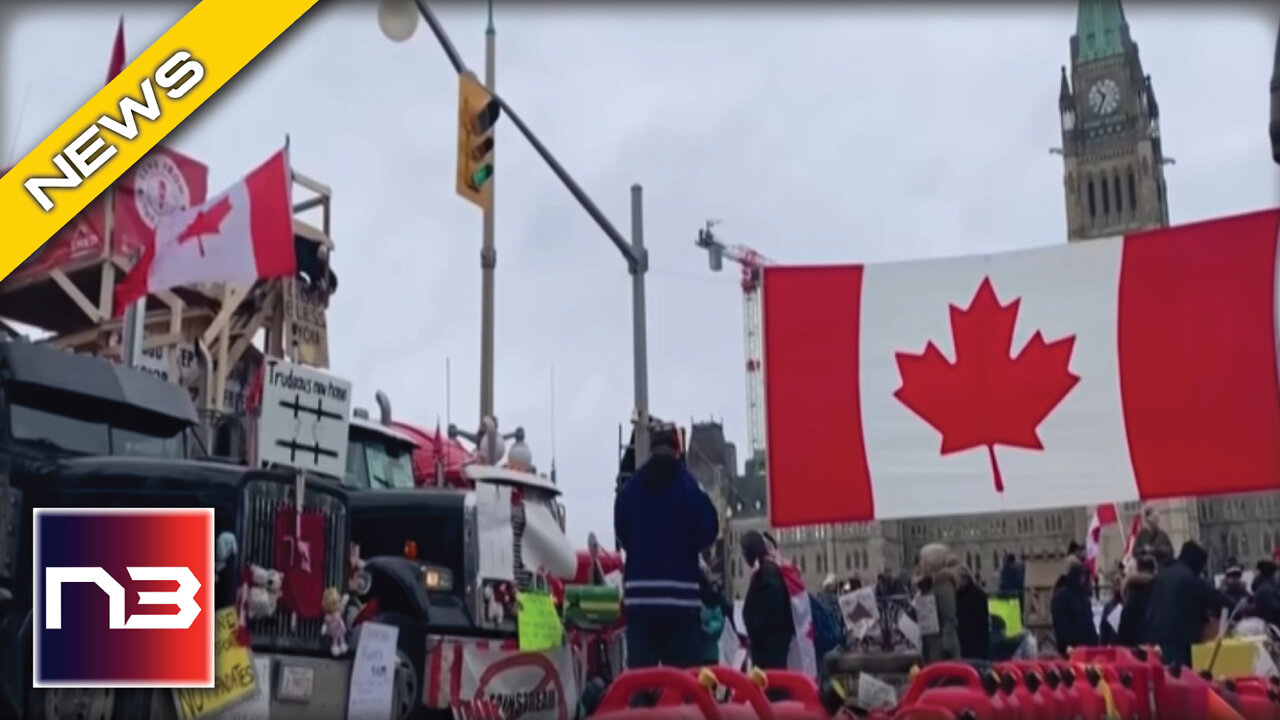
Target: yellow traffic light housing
(478, 112)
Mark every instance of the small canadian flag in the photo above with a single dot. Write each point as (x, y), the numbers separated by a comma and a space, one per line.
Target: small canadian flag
(1103, 516)
(241, 236)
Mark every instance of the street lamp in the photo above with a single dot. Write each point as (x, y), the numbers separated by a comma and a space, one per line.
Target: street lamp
(398, 19)
(391, 18)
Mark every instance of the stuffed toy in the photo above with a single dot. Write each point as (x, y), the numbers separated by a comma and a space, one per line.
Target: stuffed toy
(225, 548)
(335, 626)
(264, 592)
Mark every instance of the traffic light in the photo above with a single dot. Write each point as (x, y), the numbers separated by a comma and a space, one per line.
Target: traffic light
(478, 112)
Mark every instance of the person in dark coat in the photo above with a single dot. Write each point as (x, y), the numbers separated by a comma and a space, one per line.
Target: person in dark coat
(663, 521)
(1233, 583)
(766, 611)
(1152, 539)
(1266, 593)
(1072, 611)
(1107, 635)
(972, 616)
(1182, 601)
(1137, 600)
(1012, 578)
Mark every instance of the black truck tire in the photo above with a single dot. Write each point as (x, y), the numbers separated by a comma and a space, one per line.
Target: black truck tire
(79, 704)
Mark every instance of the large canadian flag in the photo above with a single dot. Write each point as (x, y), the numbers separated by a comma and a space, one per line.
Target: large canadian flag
(241, 236)
(1111, 370)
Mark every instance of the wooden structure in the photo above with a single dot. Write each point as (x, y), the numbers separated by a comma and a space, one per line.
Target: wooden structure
(202, 337)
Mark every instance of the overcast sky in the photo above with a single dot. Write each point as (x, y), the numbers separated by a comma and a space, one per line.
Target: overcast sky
(824, 133)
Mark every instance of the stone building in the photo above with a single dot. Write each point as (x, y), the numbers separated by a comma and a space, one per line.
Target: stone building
(1113, 183)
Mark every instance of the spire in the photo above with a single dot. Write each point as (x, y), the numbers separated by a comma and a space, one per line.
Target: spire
(1099, 30)
(489, 29)
(1064, 92)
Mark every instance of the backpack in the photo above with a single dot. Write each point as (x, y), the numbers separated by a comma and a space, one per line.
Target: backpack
(827, 633)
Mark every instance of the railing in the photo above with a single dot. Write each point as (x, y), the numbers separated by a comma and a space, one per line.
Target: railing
(262, 498)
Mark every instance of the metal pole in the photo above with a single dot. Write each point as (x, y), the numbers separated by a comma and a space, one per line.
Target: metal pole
(134, 326)
(488, 252)
(638, 325)
(507, 111)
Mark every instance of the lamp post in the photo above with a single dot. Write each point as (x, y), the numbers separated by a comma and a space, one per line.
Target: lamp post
(398, 20)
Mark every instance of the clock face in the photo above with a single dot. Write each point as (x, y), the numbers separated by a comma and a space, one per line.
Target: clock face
(1104, 97)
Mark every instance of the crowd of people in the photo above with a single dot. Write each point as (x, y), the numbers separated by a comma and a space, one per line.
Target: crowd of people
(677, 613)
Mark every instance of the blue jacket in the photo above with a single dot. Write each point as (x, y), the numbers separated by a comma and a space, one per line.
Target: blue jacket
(663, 521)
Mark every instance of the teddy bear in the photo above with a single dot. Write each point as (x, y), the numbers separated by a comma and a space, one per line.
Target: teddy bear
(264, 592)
(335, 626)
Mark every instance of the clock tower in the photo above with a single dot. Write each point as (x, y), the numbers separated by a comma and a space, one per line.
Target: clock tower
(1113, 163)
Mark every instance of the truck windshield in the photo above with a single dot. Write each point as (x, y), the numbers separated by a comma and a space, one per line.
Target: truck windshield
(378, 466)
(34, 425)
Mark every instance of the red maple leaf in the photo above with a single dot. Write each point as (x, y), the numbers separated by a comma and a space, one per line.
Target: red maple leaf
(206, 222)
(987, 398)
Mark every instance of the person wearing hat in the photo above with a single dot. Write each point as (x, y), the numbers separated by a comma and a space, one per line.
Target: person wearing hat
(1233, 582)
(663, 521)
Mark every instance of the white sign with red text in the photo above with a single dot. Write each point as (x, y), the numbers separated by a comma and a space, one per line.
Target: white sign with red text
(483, 678)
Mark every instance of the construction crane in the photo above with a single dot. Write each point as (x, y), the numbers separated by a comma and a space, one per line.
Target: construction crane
(752, 264)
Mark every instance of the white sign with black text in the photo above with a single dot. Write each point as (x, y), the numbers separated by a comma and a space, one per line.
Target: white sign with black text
(306, 414)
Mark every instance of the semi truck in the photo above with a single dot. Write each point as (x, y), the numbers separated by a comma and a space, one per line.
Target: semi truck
(78, 431)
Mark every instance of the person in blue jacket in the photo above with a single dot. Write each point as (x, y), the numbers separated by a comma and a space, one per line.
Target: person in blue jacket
(663, 521)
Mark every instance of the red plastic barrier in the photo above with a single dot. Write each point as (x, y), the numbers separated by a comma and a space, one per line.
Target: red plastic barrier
(1185, 696)
(917, 712)
(798, 687)
(1254, 699)
(615, 703)
(1030, 704)
(954, 687)
(1145, 677)
(742, 691)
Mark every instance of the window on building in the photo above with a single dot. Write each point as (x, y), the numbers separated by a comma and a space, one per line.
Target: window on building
(1093, 206)
(1133, 192)
(866, 560)
(1106, 198)
(977, 562)
(848, 561)
(1116, 184)
(802, 563)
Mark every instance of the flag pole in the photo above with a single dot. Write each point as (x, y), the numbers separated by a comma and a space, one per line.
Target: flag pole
(135, 317)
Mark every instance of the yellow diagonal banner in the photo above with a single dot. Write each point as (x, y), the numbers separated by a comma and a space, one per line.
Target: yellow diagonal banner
(134, 112)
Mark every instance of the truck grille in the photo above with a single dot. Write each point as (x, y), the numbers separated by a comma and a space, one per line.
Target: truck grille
(262, 498)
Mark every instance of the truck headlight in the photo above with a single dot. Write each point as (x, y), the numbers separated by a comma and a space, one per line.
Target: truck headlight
(437, 579)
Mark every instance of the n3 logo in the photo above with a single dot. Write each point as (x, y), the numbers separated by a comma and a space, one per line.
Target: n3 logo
(184, 597)
(153, 604)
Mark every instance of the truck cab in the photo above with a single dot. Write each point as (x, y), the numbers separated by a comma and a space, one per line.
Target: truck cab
(379, 457)
(78, 431)
(55, 404)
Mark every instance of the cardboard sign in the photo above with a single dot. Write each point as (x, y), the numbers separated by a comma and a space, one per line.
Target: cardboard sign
(235, 676)
(304, 311)
(537, 622)
(305, 418)
(373, 673)
(927, 615)
(473, 677)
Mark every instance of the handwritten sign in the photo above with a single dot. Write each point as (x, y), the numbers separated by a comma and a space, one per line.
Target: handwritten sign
(304, 309)
(373, 673)
(537, 622)
(258, 705)
(234, 676)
